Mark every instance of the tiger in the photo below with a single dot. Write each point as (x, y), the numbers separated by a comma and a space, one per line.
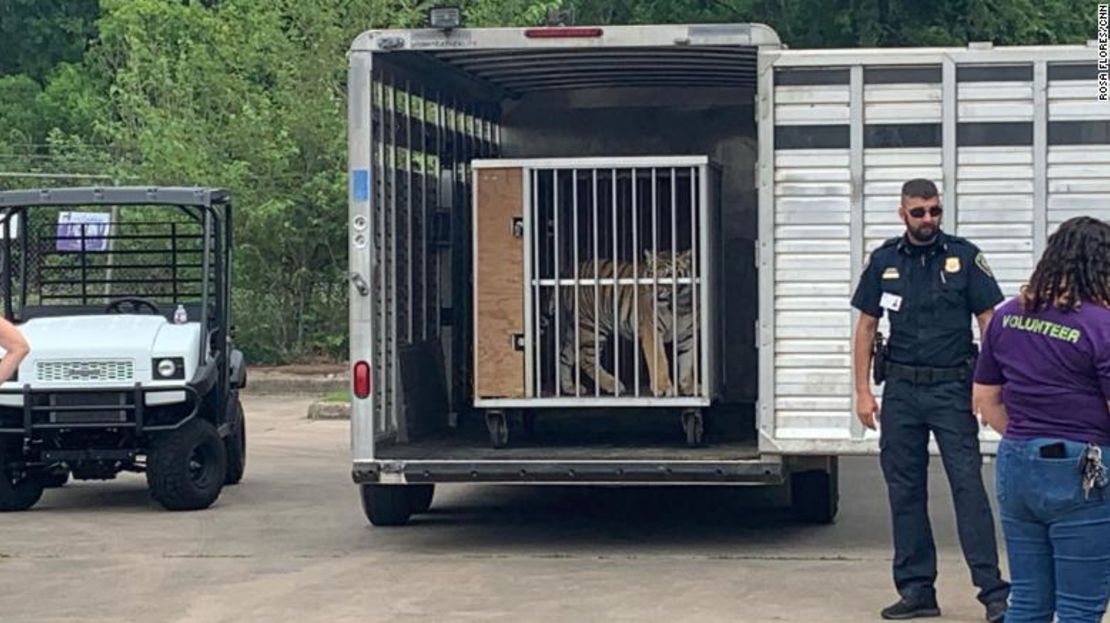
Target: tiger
(595, 333)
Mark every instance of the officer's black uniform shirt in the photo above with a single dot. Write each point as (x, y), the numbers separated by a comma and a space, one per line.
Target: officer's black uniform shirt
(935, 289)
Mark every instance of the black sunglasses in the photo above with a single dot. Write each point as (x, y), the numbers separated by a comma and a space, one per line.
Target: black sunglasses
(934, 212)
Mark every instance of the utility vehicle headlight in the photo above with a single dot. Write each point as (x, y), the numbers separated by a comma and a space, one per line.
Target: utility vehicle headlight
(169, 368)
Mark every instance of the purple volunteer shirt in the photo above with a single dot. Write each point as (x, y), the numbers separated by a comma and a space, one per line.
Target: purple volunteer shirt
(1054, 367)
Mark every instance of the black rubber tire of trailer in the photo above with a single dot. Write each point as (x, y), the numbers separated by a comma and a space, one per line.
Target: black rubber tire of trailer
(420, 497)
(387, 505)
(815, 494)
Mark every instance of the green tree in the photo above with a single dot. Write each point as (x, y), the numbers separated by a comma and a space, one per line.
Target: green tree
(35, 35)
(849, 23)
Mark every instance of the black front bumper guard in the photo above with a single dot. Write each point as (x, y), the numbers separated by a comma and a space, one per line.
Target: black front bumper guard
(137, 408)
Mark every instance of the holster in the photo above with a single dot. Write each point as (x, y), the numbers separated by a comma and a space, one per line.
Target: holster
(878, 359)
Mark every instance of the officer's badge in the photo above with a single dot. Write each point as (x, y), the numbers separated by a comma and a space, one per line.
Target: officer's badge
(952, 264)
(890, 273)
(981, 262)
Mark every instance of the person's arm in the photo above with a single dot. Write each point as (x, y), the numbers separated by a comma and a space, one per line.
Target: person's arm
(986, 393)
(15, 346)
(988, 401)
(984, 319)
(863, 340)
(866, 300)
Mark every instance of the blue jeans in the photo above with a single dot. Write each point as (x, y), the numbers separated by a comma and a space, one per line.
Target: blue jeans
(1058, 543)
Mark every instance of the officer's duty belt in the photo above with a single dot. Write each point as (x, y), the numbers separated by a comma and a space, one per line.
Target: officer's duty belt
(925, 375)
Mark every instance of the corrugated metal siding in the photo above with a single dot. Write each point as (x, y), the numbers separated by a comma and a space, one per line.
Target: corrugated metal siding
(812, 273)
(994, 188)
(1078, 183)
(902, 103)
(811, 104)
(820, 244)
(994, 184)
(1078, 175)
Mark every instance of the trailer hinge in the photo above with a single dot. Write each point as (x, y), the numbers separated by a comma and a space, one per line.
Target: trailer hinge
(518, 227)
(360, 284)
(756, 253)
(758, 335)
(518, 342)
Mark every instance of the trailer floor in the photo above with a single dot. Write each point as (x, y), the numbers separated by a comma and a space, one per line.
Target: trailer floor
(454, 449)
(556, 438)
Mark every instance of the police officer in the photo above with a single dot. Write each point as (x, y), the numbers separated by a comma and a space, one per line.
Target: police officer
(928, 283)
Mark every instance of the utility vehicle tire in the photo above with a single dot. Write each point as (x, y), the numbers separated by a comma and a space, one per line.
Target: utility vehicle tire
(420, 497)
(17, 496)
(236, 446)
(54, 480)
(386, 505)
(186, 467)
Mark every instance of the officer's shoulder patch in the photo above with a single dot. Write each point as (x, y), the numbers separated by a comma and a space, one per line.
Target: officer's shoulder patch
(981, 262)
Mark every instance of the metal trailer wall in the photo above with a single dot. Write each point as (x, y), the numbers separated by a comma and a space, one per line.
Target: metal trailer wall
(1014, 138)
(417, 175)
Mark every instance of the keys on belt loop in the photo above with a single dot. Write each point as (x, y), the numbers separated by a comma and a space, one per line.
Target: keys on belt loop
(1093, 470)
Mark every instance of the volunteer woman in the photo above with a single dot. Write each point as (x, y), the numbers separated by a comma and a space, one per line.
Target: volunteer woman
(1043, 381)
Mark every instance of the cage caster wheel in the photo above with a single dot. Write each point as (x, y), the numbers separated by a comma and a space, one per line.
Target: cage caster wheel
(497, 422)
(693, 424)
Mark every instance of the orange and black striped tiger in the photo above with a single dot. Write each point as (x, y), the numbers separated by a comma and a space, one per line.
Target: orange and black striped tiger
(654, 324)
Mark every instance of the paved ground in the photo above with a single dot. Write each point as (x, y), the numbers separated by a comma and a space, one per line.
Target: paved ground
(290, 544)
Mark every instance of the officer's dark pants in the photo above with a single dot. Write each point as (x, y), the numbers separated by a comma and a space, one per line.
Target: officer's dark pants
(909, 412)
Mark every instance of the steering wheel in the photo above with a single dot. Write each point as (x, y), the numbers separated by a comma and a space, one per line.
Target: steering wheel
(131, 305)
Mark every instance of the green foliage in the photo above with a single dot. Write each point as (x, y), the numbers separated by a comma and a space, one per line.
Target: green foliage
(852, 23)
(35, 35)
(19, 121)
(250, 95)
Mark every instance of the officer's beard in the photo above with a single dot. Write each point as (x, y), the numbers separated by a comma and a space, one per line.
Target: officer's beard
(923, 233)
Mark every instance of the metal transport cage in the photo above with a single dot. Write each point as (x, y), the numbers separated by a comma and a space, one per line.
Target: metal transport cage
(593, 282)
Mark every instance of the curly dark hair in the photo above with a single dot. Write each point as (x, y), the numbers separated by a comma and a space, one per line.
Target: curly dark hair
(1075, 267)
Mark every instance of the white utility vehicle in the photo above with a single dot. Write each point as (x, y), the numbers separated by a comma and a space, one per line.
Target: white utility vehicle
(123, 295)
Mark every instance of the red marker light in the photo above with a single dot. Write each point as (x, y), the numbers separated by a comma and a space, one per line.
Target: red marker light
(563, 32)
(361, 377)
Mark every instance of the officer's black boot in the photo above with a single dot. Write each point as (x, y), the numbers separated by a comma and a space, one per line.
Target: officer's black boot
(912, 608)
